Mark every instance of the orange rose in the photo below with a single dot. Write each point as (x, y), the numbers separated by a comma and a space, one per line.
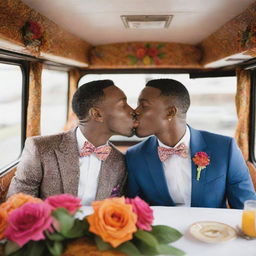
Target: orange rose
(18, 200)
(3, 222)
(113, 220)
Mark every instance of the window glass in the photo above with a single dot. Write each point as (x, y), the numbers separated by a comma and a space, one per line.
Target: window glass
(212, 99)
(54, 101)
(10, 113)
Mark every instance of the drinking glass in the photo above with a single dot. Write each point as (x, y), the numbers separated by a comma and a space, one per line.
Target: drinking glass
(249, 218)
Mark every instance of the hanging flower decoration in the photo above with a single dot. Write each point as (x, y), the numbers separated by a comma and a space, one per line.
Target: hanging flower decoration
(201, 159)
(247, 36)
(147, 55)
(32, 34)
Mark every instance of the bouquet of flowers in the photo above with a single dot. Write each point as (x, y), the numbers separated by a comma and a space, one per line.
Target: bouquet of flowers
(123, 226)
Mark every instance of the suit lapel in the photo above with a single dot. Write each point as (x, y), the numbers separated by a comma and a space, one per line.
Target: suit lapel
(68, 160)
(108, 176)
(197, 144)
(156, 170)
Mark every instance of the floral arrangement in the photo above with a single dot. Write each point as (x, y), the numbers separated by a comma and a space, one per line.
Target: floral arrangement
(30, 226)
(32, 34)
(147, 54)
(201, 159)
(247, 36)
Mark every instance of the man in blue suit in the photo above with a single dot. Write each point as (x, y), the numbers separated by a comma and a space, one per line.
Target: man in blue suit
(164, 169)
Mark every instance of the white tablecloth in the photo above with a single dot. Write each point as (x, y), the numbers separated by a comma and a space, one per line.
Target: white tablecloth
(182, 217)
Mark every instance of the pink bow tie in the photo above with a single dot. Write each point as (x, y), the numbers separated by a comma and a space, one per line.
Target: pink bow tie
(101, 152)
(165, 153)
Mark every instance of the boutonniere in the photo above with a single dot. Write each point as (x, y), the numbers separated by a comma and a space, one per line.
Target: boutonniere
(201, 159)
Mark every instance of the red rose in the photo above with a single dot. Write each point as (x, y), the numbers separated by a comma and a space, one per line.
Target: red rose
(140, 52)
(35, 29)
(152, 52)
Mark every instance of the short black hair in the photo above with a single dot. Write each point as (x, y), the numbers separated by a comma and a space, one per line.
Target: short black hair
(171, 87)
(88, 95)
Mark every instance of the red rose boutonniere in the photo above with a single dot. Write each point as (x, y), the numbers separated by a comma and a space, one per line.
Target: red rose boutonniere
(201, 159)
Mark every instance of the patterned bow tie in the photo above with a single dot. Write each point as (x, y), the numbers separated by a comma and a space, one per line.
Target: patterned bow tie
(165, 153)
(101, 152)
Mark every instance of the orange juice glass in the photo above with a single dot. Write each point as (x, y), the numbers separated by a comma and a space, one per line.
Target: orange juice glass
(249, 218)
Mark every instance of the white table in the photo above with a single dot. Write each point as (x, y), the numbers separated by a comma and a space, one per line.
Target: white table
(182, 217)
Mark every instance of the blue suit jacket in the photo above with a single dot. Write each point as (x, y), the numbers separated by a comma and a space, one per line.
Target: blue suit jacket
(226, 177)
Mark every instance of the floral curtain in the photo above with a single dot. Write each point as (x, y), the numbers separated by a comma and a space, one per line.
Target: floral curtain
(34, 102)
(74, 76)
(243, 114)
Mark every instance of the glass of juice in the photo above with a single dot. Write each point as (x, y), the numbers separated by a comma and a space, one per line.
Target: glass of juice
(249, 218)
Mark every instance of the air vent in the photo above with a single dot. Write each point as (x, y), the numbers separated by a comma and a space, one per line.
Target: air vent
(146, 21)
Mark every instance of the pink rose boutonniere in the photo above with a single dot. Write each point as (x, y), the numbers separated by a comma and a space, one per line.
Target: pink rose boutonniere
(201, 159)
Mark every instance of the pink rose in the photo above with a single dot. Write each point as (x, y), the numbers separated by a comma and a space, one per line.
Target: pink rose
(28, 223)
(143, 211)
(71, 203)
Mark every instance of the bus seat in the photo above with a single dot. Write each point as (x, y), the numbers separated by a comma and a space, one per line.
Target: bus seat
(5, 181)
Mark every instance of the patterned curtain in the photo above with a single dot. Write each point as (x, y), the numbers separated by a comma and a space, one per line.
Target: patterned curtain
(34, 102)
(243, 114)
(74, 76)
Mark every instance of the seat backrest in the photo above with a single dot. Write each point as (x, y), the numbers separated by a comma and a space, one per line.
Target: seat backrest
(5, 181)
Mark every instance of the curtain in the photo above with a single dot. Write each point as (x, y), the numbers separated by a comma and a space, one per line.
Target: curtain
(34, 102)
(243, 114)
(74, 76)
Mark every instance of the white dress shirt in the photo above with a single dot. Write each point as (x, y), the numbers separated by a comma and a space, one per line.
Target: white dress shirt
(89, 172)
(177, 172)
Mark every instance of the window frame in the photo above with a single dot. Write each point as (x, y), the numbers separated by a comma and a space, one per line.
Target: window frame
(24, 67)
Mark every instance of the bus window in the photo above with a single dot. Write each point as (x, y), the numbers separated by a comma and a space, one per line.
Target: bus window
(10, 113)
(212, 99)
(54, 101)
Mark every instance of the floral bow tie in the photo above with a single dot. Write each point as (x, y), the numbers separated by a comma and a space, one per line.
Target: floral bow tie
(165, 153)
(101, 152)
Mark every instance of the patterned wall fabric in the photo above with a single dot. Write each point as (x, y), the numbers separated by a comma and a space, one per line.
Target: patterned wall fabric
(144, 55)
(236, 36)
(56, 41)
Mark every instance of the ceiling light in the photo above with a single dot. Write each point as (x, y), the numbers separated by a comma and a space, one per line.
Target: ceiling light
(146, 21)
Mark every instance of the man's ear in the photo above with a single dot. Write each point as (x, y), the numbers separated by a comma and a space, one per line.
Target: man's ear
(171, 112)
(95, 114)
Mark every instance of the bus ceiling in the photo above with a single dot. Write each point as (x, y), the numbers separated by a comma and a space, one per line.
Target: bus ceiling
(131, 34)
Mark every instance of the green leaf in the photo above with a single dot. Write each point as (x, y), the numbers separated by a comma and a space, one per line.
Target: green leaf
(129, 248)
(159, 46)
(55, 248)
(148, 45)
(35, 248)
(55, 236)
(169, 250)
(79, 229)
(10, 248)
(66, 220)
(165, 234)
(133, 59)
(161, 55)
(145, 249)
(146, 237)
(31, 249)
(101, 245)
